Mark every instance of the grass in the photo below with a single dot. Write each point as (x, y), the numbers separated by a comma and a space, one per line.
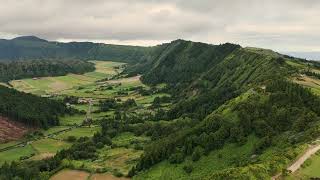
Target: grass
(215, 161)
(68, 120)
(125, 139)
(49, 145)
(15, 154)
(312, 167)
(309, 82)
(7, 144)
(122, 159)
(49, 85)
(79, 132)
(55, 129)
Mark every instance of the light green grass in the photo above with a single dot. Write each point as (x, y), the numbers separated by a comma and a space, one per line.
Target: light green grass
(121, 158)
(85, 107)
(55, 129)
(295, 64)
(68, 120)
(51, 85)
(79, 132)
(313, 167)
(7, 144)
(49, 145)
(15, 154)
(125, 139)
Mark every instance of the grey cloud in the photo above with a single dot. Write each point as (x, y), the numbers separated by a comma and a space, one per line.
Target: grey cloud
(268, 23)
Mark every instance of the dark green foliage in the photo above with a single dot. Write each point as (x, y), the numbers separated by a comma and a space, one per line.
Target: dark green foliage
(29, 47)
(71, 139)
(37, 68)
(176, 158)
(197, 153)
(313, 74)
(266, 115)
(188, 168)
(30, 109)
(106, 105)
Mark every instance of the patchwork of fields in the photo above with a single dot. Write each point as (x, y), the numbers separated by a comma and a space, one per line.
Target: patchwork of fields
(104, 83)
(49, 85)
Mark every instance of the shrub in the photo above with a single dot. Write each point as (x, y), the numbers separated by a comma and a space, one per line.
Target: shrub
(117, 173)
(188, 168)
(99, 145)
(176, 158)
(71, 139)
(197, 153)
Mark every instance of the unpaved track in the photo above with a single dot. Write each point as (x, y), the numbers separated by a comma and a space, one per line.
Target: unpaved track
(297, 164)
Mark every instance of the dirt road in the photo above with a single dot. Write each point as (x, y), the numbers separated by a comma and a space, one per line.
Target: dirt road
(297, 164)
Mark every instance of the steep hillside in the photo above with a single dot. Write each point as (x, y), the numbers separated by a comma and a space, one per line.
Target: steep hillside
(36, 68)
(30, 47)
(202, 78)
(29, 109)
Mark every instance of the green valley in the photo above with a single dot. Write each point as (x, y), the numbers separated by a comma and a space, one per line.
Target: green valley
(184, 110)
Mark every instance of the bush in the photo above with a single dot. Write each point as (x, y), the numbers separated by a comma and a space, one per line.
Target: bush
(176, 158)
(71, 139)
(188, 168)
(117, 173)
(197, 153)
(99, 145)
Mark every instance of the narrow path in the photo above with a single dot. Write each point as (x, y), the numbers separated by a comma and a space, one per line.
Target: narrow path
(297, 164)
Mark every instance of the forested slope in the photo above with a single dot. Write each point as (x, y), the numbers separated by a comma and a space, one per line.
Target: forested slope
(37, 68)
(30, 47)
(30, 109)
(203, 79)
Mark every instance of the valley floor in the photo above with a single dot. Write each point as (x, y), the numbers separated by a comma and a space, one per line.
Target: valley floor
(102, 84)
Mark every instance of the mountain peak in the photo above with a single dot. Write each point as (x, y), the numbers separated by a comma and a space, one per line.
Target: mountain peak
(28, 38)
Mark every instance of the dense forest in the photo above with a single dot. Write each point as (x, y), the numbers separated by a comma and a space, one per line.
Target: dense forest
(30, 109)
(30, 47)
(37, 68)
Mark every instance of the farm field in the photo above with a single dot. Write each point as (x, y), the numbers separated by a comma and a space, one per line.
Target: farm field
(68, 174)
(53, 85)
(126, 147)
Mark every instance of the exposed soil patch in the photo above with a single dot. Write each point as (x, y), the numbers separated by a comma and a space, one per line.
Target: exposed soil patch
(70, 174)
(11, 130)
(106, 177)
(125, 80)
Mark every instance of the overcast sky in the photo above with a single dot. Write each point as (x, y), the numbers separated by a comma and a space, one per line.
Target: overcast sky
(282, 25)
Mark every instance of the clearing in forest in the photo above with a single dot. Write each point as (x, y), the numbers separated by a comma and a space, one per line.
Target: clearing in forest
(11, 130)
(49, 85)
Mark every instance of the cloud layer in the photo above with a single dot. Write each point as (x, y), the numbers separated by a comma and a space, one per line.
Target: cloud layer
(286, 25)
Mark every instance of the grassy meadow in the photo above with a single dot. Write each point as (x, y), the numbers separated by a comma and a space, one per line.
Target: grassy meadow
(53, 85)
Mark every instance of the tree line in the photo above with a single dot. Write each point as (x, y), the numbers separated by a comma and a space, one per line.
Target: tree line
(38, 68)
(30, 109)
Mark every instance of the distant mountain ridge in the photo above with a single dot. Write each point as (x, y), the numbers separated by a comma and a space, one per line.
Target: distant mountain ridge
(34, 48)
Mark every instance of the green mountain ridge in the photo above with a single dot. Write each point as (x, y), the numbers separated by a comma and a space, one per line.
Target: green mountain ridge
(235, 113)
(31, 47)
